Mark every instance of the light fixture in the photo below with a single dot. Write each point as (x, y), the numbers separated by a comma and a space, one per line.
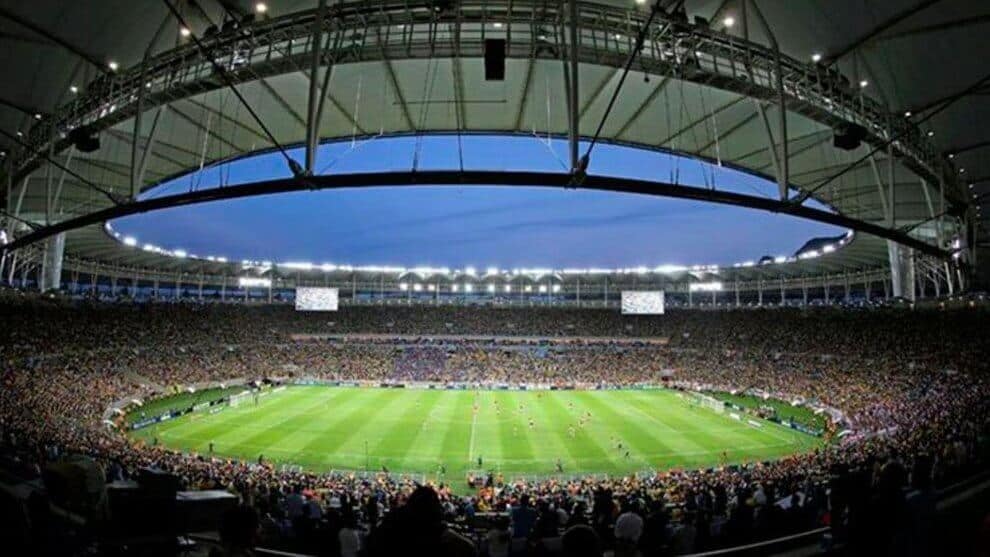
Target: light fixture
(37, 116)
(20, 133)
(931, 133)
(863, 84)
(729, 21)
(261, 7)
(113, 66)
(73, 89)
(185, 32)
(962, 170)
(816, 57)
(952, 156)
(907, 113)
(497, 24)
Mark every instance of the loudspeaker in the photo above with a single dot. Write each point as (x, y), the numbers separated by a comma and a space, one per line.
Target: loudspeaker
(84, 139)
(848, 136)
(494, 59)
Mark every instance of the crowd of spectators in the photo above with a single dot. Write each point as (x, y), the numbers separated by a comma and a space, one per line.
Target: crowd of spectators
(912, 387)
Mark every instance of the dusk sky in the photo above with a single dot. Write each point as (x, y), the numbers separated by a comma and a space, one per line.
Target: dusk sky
(475, 226)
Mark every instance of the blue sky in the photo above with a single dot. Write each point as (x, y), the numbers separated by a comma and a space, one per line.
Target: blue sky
(472, 225)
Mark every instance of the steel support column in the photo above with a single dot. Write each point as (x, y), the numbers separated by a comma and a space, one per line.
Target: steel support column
(312, 112)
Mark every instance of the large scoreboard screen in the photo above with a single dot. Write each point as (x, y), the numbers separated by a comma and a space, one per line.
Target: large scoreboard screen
(316, 299)
(642, 302)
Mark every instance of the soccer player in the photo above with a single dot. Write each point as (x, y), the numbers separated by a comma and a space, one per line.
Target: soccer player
(480, 462)
(560, 466)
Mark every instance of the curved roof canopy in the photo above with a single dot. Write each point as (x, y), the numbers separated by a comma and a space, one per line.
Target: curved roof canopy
(173, 86)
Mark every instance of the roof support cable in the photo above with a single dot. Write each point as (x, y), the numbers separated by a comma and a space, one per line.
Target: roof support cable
(295, 167)
(581, 171)
(51, 160)
(946, 103)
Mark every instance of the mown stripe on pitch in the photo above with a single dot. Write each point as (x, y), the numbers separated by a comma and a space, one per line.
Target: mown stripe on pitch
(514, 438)
(701, 427)
(308, 445)
(396, 441)
(451, 428)
(222, 427)
(278, 434)
(628, 429)
(583, 447)
(683, 419)
(193, 426)
(352, 422)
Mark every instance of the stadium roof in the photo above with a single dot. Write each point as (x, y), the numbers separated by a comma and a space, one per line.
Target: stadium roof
(910, 72)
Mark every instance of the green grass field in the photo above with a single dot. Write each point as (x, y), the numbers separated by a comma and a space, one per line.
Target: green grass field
(415, 430)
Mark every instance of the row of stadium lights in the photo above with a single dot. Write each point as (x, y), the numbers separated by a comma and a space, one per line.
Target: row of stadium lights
(469, 288)
(265, 266)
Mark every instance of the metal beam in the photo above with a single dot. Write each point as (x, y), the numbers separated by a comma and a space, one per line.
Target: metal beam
(282, 102)
(525, 93)
(970, 147)
(574, 131)
(783, 159)
(35, 28)
(643, 106)
(883, 26)
(702, 120)
(461, 179)
(312, 124)
(935, 27)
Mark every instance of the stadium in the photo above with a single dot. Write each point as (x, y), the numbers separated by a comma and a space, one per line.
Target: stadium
(494, 277)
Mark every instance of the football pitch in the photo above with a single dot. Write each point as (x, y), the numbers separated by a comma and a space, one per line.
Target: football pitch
(447, 431)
